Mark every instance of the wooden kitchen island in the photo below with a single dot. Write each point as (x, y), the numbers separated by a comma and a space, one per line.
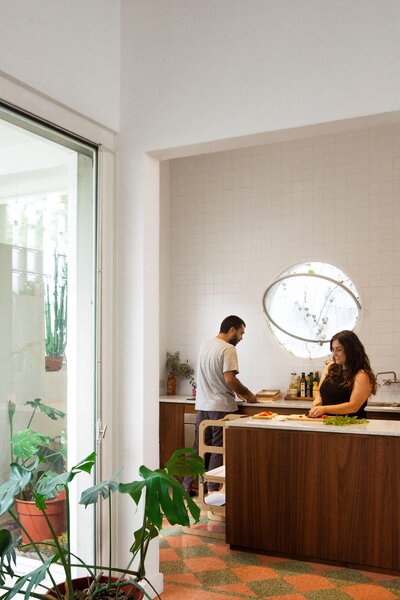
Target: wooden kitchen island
(315, 492)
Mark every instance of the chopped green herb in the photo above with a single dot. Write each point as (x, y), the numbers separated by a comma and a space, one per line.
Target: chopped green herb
(341, 420)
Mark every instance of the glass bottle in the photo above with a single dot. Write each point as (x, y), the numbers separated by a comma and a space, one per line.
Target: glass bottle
(309, 385)
(303, 385)
(315, 383)
(294, 385)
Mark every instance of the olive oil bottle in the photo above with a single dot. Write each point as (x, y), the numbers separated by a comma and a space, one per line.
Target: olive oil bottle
(303, 385)
(315, 383)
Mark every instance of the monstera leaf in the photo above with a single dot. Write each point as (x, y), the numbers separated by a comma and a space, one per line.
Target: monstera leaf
(20, 477)
(27, 443)
(50, 484)
(29, 582)
(52, 413)
(104, 489)
(7, 555)
(165, 496)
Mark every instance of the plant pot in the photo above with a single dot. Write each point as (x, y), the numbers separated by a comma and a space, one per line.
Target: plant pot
(34, 521)
(84, 582)
(53, 363)
(171, 386)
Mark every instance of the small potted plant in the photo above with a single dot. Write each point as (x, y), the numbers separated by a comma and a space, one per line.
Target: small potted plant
(26, 446)
(55, 313)
(164, 497)
(177, 369)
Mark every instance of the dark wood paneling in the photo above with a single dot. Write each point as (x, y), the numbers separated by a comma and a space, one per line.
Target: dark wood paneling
(172, 431)
(172, 428)
(322, 496)
(384, 416)
(252, 410)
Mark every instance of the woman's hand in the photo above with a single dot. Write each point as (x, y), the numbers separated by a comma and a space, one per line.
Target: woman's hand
(316, 411)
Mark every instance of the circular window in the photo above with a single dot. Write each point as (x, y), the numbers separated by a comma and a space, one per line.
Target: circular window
(307, 304)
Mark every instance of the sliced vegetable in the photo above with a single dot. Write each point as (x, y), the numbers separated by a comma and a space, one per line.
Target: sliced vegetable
(340, 420)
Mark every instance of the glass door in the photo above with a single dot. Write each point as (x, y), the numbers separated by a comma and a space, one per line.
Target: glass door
(47, 304)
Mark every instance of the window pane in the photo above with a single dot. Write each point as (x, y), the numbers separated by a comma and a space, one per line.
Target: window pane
(47, 295)
(308, 304)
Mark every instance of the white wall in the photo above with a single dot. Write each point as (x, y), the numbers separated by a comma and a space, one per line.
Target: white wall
(239, 218)
(198, 71)
(69, 50)
(192, 72)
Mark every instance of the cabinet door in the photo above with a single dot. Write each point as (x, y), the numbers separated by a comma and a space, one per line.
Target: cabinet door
(171, 429)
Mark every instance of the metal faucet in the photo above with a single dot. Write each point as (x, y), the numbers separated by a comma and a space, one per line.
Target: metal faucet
(388, 381)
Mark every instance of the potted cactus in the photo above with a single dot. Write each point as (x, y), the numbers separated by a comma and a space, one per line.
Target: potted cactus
(55, 313)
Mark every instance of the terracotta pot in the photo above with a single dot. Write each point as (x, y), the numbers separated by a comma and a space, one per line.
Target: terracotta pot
(53, 363)
(171, 386)
(34, 522)
(83, 582)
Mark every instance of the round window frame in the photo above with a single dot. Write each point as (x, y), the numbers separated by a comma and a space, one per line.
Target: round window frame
(285, 274)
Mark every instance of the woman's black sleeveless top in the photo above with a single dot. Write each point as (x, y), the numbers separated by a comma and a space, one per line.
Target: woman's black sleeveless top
(334, 392)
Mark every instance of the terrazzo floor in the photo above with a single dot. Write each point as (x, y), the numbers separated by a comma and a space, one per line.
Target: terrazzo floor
(204, 568)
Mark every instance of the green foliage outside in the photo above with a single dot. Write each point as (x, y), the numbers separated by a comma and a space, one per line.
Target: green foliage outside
(55, 309)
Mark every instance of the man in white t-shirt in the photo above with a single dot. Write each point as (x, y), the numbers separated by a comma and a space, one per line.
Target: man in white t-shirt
(217, 384)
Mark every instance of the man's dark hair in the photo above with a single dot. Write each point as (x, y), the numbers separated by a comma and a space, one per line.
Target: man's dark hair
(231, 321)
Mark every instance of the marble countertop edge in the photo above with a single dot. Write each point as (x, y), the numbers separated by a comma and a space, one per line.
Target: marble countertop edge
(182, 399)
(373, 427)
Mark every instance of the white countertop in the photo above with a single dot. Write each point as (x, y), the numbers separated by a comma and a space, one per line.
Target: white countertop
(306, 404)
(178, 399)
(273, 403)
(373, 427)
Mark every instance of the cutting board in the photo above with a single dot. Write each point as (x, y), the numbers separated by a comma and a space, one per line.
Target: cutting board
(268, 395)
(261, 416)
(303, 418)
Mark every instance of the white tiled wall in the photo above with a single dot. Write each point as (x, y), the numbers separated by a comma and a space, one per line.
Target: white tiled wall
(239, 218)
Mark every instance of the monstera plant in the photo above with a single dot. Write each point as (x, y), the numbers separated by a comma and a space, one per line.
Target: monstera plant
(160, 493)
(29, 448)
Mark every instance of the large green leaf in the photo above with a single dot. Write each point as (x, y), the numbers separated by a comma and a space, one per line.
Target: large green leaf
(32, 579)
(165, 495)
(143, 535)
(26, 443)
(185, 462)
(104, 488)
(50, 484)
(85, 465)
(134, 489)
(52, 413)
(19, 479)
(7, 554)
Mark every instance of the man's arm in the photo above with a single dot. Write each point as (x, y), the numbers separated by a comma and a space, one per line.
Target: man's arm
(240, 390)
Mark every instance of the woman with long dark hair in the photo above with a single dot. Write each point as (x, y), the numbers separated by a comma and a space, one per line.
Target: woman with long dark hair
(347, 382)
